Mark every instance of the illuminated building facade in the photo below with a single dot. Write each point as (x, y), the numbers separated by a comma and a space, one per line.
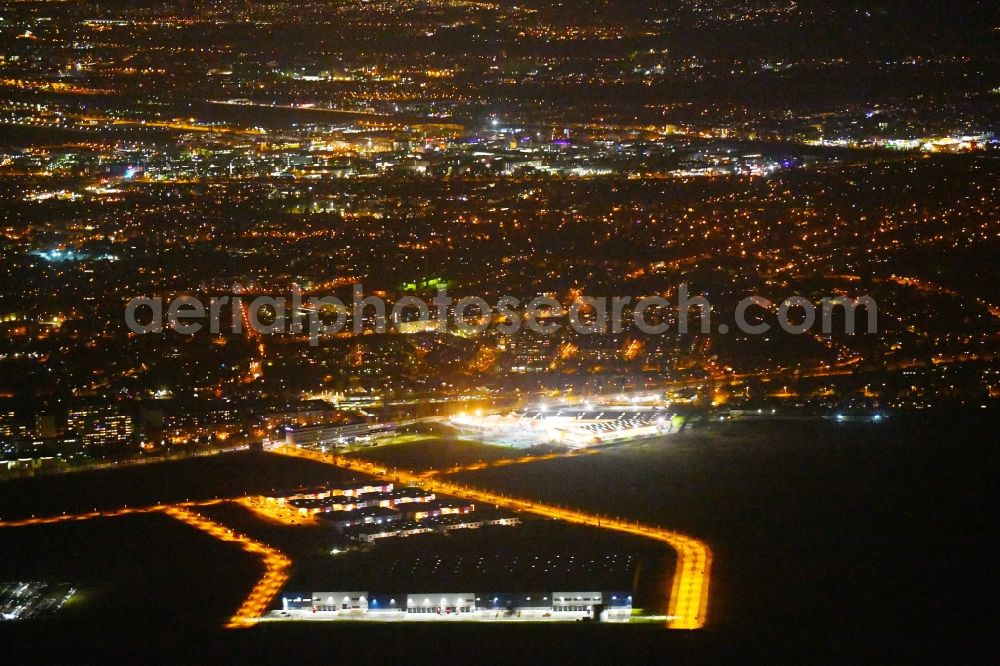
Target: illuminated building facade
(100, 426)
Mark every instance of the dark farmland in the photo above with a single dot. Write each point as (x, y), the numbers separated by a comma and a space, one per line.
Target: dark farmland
(147, 571)
(873, 534)
(222, 476)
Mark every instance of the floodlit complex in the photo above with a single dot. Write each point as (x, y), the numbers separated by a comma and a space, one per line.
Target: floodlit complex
(573, 427)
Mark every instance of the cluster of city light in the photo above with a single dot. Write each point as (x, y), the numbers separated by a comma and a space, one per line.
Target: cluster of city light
(688, 602)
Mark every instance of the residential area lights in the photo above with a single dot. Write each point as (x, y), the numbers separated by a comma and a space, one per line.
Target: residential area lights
(688, 602)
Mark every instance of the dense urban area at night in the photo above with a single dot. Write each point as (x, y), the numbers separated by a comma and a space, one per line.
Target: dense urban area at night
(453, 329)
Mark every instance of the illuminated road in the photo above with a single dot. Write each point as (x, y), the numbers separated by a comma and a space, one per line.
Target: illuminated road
(293, 107)
(180, 125)
(688, 600)
(688, 604)
(276, 565)
(124, 511)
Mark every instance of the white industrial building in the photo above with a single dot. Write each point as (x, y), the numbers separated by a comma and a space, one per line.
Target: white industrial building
(575, 602)
(340, 601)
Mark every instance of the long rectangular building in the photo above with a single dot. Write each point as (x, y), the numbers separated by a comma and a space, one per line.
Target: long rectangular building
(334, 436)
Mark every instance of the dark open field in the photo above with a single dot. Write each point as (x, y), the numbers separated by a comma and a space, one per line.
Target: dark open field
(876, 534)
(145, 576)
(441, 452)
(226, 475)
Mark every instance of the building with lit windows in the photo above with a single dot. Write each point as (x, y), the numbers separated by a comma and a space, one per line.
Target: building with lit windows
(100, 426)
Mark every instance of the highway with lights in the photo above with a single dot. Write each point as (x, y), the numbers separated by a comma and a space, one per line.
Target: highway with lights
(276, 565)
(688, 601)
